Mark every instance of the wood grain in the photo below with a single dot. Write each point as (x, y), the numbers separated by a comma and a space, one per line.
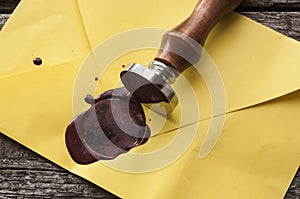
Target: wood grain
(287, 23)
(3, 19)
(272, 5)
(7, 6)
(24, 174)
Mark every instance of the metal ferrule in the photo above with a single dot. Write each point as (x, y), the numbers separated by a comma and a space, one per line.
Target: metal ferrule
(165, 72)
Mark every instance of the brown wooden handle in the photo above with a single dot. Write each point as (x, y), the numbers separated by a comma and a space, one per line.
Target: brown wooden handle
(182, 45)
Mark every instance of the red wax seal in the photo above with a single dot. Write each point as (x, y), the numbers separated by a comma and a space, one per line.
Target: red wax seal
(113, 125)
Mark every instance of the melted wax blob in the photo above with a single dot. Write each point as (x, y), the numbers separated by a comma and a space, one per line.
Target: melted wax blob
(114, 124)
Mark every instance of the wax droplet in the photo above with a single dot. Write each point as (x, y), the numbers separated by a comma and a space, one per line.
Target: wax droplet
(89, 99)
(37, 61)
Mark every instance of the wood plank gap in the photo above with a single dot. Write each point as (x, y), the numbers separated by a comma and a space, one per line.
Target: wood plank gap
(32, 169)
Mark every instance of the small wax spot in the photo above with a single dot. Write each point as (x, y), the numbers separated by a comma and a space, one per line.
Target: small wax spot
(37, 61)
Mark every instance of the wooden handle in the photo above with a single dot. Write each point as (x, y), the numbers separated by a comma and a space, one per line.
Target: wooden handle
(182, 45)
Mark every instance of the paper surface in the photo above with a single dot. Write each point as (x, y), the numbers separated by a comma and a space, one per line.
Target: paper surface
(257, 154)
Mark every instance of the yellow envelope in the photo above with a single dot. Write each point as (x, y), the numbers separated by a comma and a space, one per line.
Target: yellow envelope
(256, 155)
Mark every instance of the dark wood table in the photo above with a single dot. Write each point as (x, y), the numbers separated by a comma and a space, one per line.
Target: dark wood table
(24, 174)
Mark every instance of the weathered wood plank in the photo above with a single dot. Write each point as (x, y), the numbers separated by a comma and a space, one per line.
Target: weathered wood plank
(272, 5)
(47, 184)
(294, 189)
(287, 23)
(7, 6)
(25, 174)
(3, 19)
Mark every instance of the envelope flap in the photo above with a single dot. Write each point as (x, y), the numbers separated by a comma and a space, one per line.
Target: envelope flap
(257, 64)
